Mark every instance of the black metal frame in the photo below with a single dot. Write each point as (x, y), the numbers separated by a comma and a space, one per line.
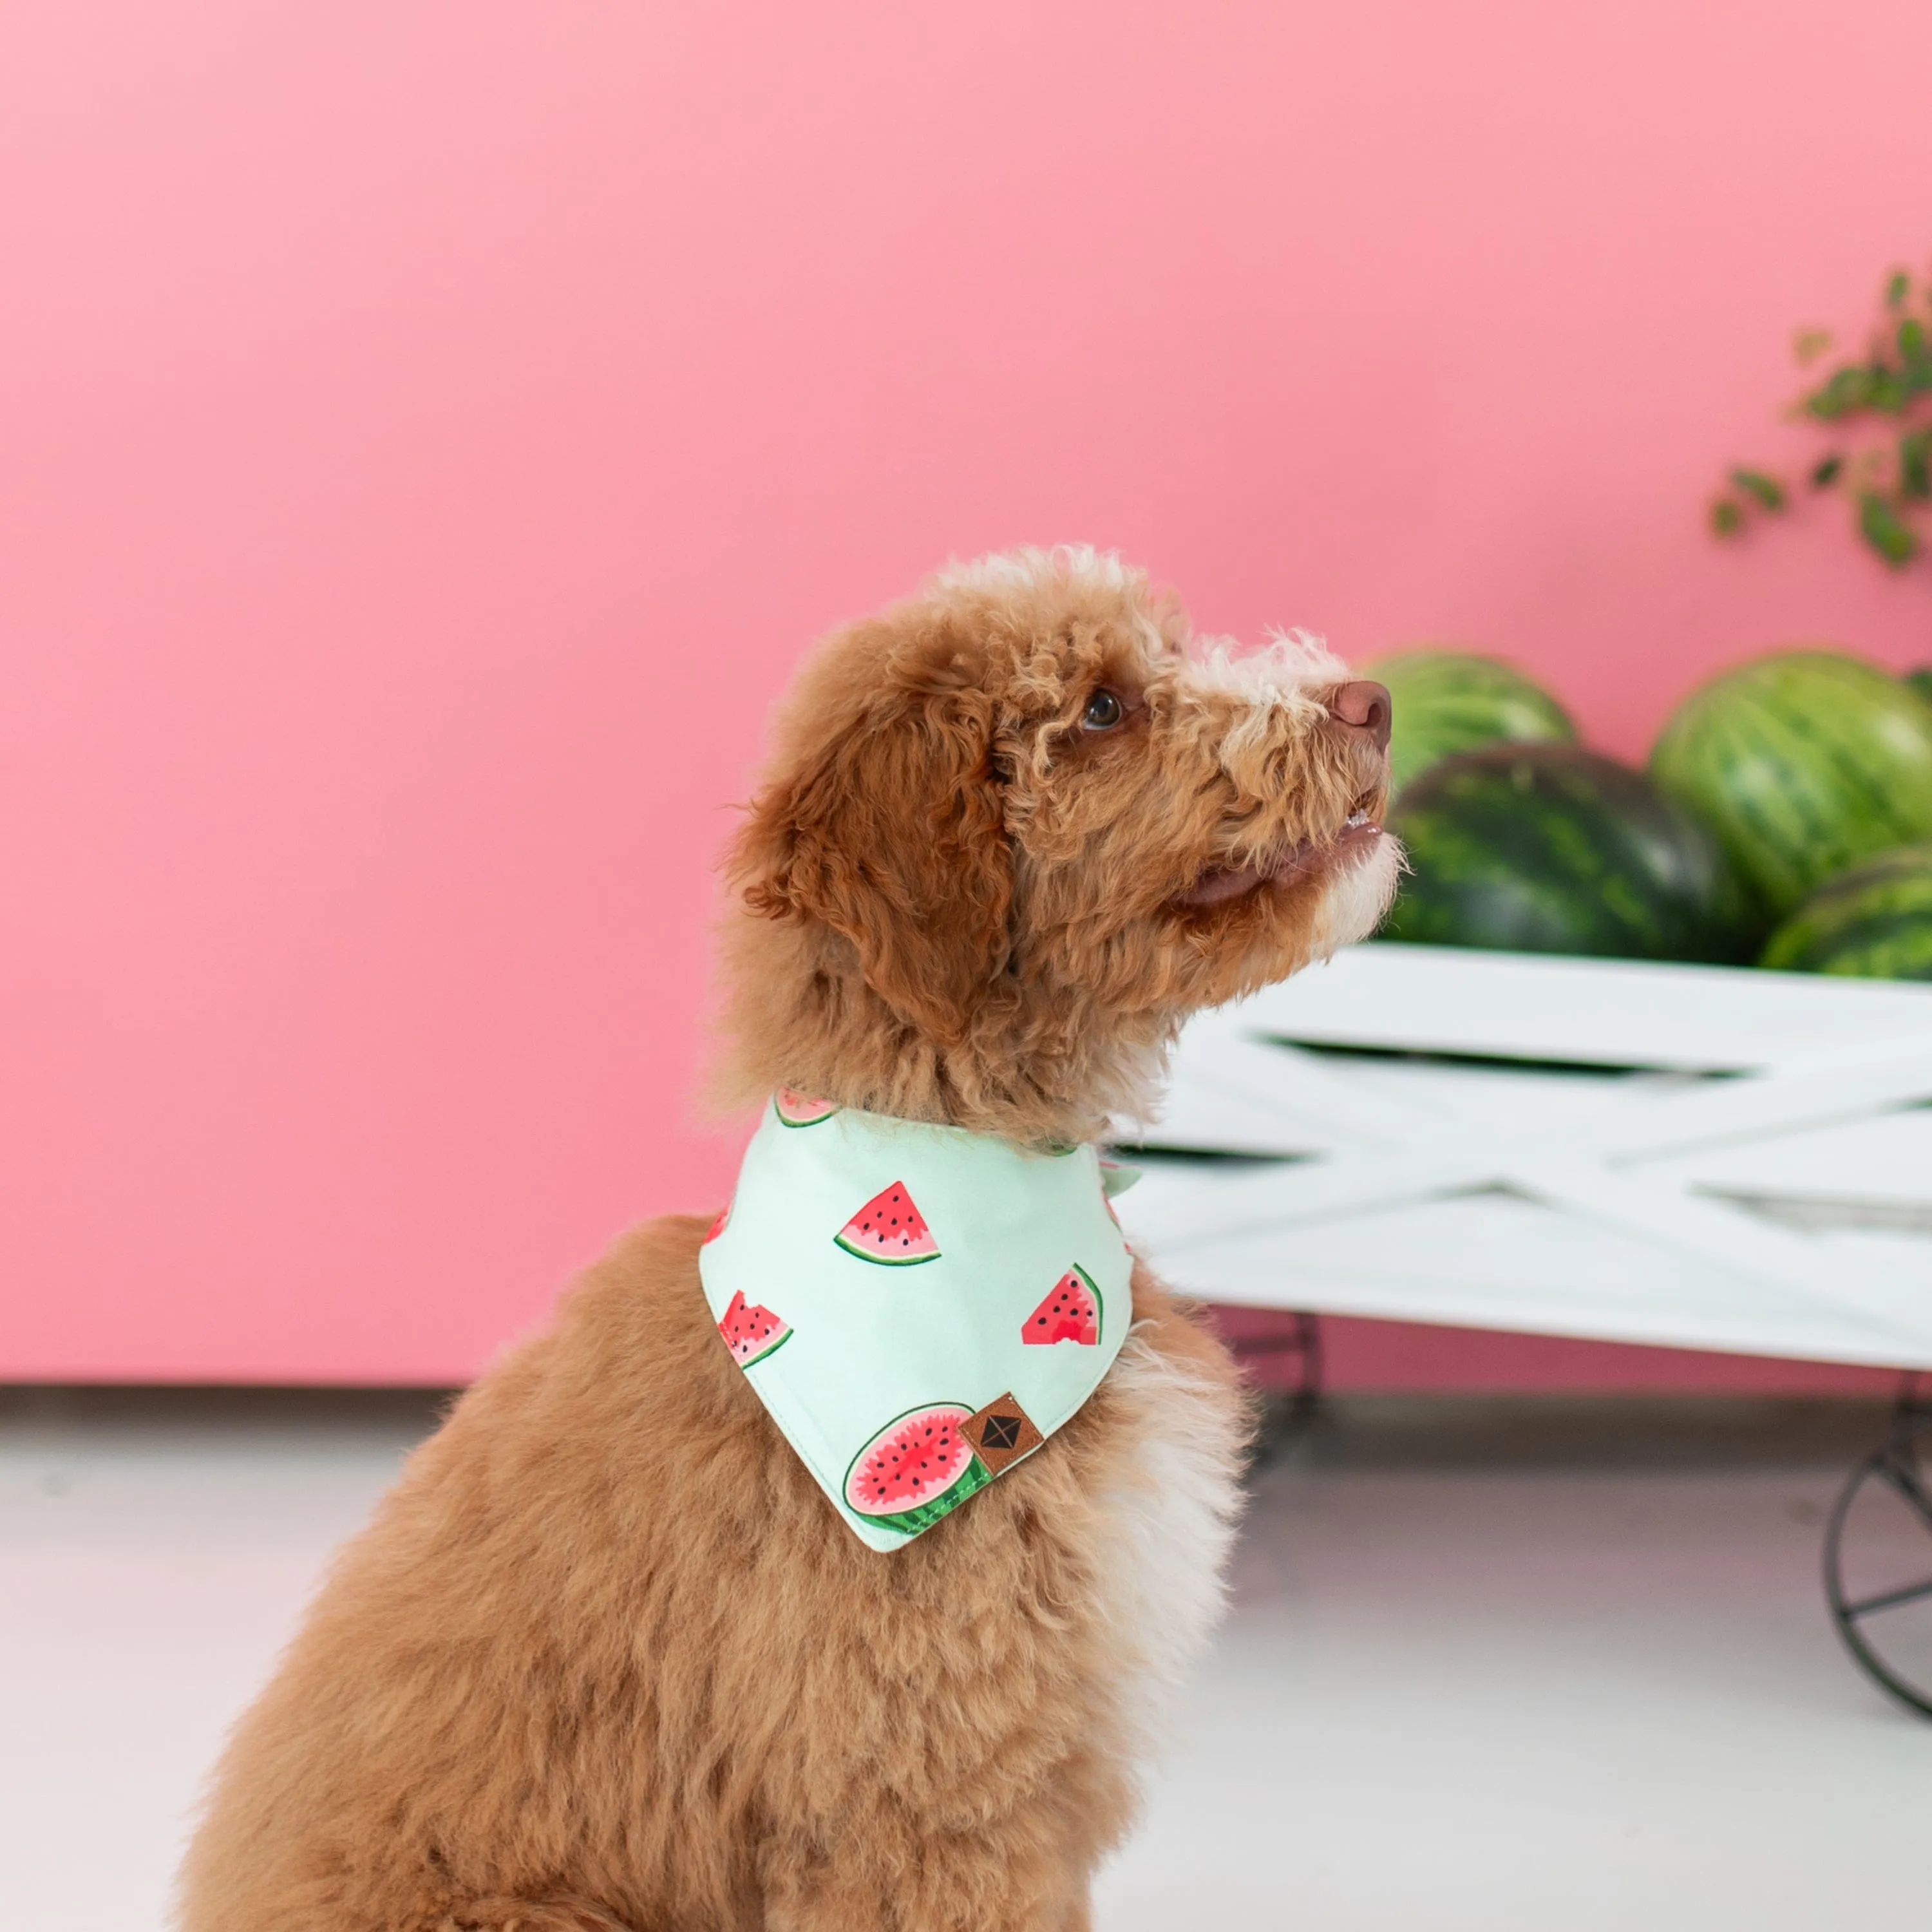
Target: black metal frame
(1302, 1346)
(1896, 1463)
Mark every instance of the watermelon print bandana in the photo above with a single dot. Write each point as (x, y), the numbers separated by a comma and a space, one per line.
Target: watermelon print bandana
(919, 1307)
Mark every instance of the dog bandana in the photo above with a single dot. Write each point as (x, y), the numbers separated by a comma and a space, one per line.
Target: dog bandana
(919, 1307)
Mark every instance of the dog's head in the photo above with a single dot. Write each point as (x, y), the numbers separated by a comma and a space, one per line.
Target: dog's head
(1016, 829)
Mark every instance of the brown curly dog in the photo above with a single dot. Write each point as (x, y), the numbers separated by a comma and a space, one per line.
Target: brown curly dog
(606, 1658)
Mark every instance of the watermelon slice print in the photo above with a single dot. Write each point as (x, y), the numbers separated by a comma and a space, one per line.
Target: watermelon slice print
(801, 1110)
(916, 1469)
(718, 1226)
(890, 1230)
(1071, 1313)
(752, 1333)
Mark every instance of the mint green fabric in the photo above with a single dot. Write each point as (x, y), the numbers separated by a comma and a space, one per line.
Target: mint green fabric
(906, 1322)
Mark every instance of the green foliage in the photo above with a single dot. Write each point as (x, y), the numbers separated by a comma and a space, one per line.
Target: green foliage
(1880, 525)
(1915, 463)
(1768, 492)
(1885, 398)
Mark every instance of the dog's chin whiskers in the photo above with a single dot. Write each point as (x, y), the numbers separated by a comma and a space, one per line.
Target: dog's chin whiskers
(1358, 898)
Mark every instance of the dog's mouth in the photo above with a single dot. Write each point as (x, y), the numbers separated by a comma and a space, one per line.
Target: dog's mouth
(1221, 884)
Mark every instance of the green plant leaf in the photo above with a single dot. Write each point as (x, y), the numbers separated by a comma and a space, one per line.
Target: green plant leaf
(1915, 463)
(1889, 392)
(1841, 392)
(1727, 517)
(1897, 288)
(1880, 526)
(1827, 471)
(1766, 491)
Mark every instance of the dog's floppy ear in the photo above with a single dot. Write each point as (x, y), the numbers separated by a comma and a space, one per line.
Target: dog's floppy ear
(889, 832)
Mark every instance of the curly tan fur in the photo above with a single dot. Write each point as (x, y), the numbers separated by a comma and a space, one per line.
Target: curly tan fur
(606, 1660)
(970, 900)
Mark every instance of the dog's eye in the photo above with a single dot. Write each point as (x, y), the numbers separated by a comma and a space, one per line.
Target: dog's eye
(1104, 711)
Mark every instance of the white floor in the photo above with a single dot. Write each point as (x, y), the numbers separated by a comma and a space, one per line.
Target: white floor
(1489, 1666)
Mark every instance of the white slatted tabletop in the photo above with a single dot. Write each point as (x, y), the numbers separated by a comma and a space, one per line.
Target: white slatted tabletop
(1686, 1156)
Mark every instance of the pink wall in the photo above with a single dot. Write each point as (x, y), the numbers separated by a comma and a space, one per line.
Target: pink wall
(429, 432)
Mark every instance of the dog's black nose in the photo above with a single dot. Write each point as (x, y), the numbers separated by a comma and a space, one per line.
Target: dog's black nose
(1362, 705)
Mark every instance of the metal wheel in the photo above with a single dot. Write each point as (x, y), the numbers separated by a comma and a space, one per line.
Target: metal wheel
(1878, 1562)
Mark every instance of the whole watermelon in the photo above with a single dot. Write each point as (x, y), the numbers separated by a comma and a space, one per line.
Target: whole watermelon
(1450, 701)
(1550, 848)
(1803, 763)
(1874, 921)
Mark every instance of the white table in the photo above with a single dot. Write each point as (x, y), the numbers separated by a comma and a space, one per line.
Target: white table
(1689, 1157)
(1695, 1157)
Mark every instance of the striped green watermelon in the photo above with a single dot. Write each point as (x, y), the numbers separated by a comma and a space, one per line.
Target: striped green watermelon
(1874, 921)
(1449, 701)
(1550, 848)
(1803, 763)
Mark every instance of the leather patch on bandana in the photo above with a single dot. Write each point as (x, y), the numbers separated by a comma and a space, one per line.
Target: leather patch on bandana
(1001, 1433)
